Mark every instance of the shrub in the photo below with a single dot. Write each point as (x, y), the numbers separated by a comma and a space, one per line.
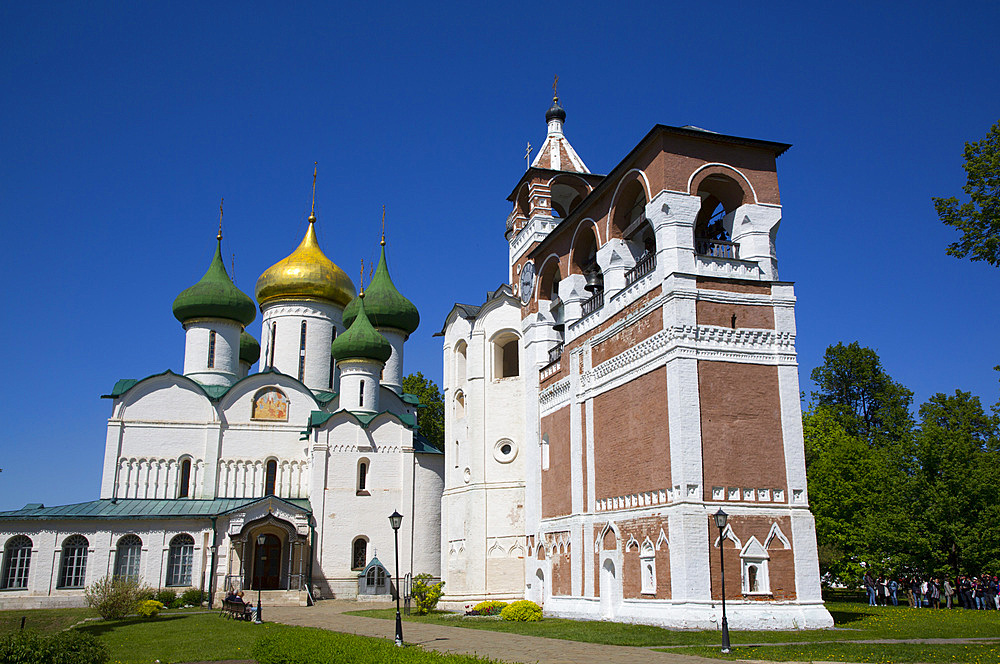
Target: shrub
(314, 646)
(69, 647)
(146, 593)
(114, 596)
(167, 597)
(150, 608)
(490, 607)
(192, 597)
(425, 593)
(521, 611)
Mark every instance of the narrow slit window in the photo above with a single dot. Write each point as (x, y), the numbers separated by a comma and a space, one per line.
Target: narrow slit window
(362, 476)
(184, 486)
(270, 475)
(270, 346)
(211, 349)
(302, 351)
(333, 362)
(361, 395)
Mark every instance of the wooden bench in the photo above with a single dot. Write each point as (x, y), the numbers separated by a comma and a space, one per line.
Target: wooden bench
(236, 610)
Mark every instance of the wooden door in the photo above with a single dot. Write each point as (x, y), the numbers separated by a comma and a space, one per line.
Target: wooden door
(267, 564)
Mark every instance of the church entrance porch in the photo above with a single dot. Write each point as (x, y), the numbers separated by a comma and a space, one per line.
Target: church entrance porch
(269, 555)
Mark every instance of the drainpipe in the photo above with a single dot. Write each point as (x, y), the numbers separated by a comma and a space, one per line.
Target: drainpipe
(215, 552)
(312, 552)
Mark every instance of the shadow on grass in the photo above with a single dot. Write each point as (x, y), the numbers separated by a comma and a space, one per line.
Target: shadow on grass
(105, 626)
(843, 617)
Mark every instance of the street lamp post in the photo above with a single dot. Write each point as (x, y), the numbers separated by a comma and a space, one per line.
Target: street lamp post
(720, 521)
(260, 542)
(396, 519)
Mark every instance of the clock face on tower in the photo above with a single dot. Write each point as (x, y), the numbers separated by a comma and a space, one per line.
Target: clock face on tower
(527, 282)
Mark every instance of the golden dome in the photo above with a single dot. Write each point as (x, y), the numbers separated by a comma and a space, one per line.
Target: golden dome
(306, 274)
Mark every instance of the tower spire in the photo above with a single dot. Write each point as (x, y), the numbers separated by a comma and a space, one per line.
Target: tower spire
(312, 213)
(219, 236)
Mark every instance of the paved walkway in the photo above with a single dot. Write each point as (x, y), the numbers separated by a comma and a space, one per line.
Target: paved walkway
(329, 614)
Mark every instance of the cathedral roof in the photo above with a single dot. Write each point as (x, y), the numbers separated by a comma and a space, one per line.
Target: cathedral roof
(305, 274)
(361, 341)
(249, 348)
(216, 392)
(385, 306)
(144, 508)
(215, 296)
(556, 153)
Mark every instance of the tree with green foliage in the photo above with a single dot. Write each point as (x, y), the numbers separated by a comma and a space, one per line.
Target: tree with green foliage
(956, 485)
(978, 219)
(431, 417)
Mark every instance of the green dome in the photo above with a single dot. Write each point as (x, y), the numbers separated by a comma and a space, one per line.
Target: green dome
(384, 304)
(361, 341)
(215, 296)
(249, 348)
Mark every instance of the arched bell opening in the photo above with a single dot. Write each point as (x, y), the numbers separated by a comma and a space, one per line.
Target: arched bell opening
(720, 196)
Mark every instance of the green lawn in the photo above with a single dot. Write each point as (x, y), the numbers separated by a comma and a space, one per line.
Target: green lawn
(854, 621)
(43, 620)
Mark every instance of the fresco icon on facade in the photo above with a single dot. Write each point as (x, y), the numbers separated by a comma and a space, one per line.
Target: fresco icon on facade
(270, 404)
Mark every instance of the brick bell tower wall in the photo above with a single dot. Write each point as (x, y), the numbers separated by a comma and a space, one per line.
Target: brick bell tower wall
(742, 444)
(631, 440)
(557, 497)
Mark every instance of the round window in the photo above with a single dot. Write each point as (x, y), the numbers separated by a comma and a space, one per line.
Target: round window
(505, 450)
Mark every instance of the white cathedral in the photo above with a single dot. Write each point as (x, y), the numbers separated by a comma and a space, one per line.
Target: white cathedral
(634, 374)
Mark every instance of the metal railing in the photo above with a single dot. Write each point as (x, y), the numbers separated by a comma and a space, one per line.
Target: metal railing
(595, 302)
(643, 266)
(717, 248)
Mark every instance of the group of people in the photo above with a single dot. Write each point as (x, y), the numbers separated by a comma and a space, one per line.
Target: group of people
(965, 592)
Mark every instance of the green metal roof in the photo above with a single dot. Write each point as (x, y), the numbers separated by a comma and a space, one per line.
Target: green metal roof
(318, 418)
(361, 341)
(423, 446)
(215, 296)
(144, 508)
(215, 392)
(385, 306)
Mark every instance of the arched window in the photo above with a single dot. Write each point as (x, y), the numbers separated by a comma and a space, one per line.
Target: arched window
(363, 477)
(461, 352)
(459, 405)
(302, 351)
(211, 349)
(361, 394)
(180, 559)
(270, 476)
(456, 454)
(16, 562)
(73, 571)
(184, 484)
(127, 557)
(359, 553)
(505, 355)
(720, 195)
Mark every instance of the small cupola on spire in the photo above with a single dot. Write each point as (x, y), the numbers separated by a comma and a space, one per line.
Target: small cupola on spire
(214, 313)
(392, 315)
(556, 153)
(361, 353)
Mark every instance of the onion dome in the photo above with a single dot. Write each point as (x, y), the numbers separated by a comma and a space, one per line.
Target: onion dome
(249, 348)
(306, 274)
(361, 341)
(385, 306)
(215, 296)
(555, 112)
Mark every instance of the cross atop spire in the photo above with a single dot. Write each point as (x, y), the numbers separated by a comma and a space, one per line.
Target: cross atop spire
(383, 226)
(556, 153)
(312, 213)
(219, 236)
(555, 86)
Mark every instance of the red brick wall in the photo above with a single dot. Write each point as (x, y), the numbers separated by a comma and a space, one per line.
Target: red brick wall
(631, 577)
(641, 329)
(781, 566)
(556, 496)
(717, 313)
(631, 440)
(733, 286)
(741, 436)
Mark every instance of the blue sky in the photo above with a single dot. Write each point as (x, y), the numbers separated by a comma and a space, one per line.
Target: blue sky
(124, 125)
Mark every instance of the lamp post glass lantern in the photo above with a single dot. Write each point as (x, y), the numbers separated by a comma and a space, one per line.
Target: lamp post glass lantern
(396, 520)
(260, 542)
(720, 521)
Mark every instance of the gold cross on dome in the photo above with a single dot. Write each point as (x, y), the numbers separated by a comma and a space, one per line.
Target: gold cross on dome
(219, 237)
(555, 85)
(315, 166)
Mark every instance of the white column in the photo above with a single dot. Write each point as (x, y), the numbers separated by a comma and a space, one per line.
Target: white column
(392, 375)
(754, 228)
(359, 382)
